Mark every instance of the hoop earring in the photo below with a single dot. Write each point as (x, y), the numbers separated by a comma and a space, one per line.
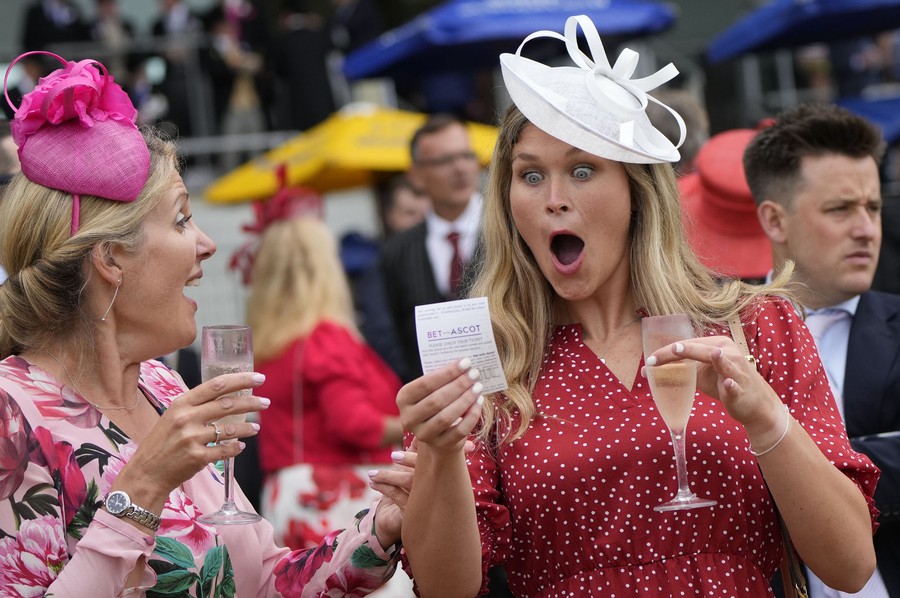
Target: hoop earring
(116, 294)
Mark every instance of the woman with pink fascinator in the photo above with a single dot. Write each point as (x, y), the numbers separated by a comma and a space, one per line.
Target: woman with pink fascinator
(583, 242)
(107, 461)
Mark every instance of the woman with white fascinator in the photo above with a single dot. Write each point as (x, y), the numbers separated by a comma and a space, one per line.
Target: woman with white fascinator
(582, 239)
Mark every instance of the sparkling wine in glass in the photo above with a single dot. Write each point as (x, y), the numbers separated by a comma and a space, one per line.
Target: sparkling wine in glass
(673, 385)
(227, 350)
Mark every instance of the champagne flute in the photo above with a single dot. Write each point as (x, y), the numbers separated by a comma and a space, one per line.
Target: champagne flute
(227, 350)
(672, 386)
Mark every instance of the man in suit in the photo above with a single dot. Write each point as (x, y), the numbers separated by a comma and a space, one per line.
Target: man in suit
(814, 176)
(422, 264)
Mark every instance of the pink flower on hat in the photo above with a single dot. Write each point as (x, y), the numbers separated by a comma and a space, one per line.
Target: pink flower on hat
(78, 90)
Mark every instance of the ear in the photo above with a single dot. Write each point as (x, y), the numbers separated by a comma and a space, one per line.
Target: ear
(414, 176)
(104, 263)
(772, 219)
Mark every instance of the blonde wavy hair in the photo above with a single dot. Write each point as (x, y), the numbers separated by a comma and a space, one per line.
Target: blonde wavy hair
(666, 276)
(298, 281)
(42, 300)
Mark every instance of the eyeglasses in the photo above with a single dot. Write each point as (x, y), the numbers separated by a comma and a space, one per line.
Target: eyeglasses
(449, 159)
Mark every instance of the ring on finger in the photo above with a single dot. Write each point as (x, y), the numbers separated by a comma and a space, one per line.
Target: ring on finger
(750, 359)
(218, 431)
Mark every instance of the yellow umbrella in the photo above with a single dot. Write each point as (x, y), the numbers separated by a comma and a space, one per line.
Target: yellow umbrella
(348, 149)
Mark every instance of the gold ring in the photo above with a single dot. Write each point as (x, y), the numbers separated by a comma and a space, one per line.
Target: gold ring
(751, 359)
(218, 431)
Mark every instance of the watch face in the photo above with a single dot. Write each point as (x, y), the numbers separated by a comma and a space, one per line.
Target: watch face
(117, 502)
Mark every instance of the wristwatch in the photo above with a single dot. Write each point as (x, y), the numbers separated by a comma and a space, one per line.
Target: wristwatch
(119, 504)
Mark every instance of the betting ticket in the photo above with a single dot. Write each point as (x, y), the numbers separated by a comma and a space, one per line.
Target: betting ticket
(452, 330)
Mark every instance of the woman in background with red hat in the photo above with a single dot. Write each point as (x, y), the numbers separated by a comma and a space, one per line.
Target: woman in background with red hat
(582, 238)
(106, 459)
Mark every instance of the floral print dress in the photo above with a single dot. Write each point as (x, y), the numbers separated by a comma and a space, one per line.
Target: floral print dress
(58, 458)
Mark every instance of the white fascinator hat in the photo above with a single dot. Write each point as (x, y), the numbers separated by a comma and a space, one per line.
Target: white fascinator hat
(593, 106)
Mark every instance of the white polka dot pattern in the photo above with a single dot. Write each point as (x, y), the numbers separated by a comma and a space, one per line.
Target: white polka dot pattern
(568, 507)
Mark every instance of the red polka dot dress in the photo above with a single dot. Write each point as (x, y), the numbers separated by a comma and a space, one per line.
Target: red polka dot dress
(568, 507)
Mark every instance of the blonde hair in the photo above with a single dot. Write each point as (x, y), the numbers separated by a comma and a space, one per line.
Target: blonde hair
(298, 281)
(666, 276)
(42, 300)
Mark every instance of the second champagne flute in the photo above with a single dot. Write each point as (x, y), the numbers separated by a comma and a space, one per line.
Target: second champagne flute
(227, 350)
(672, 386)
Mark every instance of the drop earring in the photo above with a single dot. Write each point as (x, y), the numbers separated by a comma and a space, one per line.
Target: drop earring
(116, 294)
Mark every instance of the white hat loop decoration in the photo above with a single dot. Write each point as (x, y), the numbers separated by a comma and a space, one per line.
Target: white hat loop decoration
(594, 106)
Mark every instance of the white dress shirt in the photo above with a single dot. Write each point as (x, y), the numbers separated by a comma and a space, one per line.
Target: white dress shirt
(833, 350)
(440, 250)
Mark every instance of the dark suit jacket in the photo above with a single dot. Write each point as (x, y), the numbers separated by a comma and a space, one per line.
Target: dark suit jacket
(872, 408)
(409, 281)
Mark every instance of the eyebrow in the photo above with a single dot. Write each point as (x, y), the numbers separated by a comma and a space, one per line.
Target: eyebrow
(532, 158)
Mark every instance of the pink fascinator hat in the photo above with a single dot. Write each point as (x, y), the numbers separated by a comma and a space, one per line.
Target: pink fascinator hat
(76, 132)
(594, 106)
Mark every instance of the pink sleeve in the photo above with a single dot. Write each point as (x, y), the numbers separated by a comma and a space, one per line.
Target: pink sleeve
(353, 395)
(349, 562)
(32, 538)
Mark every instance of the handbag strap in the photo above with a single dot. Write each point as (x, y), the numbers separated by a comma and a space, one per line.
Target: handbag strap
(792, 578)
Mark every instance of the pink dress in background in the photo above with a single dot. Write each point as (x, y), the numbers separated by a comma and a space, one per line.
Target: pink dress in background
(58, 459)
(575, 515)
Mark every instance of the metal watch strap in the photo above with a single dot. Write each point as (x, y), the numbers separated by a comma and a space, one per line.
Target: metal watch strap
(142, 516)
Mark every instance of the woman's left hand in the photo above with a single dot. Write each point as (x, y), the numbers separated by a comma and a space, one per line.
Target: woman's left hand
(725, 373)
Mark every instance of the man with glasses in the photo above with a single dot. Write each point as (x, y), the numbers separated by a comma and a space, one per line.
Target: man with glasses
(424, 264)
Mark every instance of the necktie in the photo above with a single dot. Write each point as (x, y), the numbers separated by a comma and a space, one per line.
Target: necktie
(456, 264)
(818, 323)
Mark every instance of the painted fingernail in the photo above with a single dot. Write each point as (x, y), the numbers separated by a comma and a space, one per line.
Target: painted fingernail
(474, 374)
(480, 400)
(679, 348)
(264, 401)
(719, 353)
(465, 363)
(728, 383)
(477, 388)
(242, 445)
(373, 473)
(397, 456)
(259, 378)
(651, 360)
(255, 426)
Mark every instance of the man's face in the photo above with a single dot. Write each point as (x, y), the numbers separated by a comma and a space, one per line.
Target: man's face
(832, 230)
(446, 169)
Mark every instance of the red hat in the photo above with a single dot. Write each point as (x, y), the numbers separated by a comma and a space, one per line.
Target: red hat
(721, 222)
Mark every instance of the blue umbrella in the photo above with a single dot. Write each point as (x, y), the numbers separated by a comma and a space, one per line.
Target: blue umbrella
(465, 34)
(884, 113)
(787, 23)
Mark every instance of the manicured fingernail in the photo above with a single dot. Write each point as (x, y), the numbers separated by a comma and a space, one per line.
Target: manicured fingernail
(255, 426)
(651, 360)
(728, 383)
(242, 445)
(474, 374)
(259, 378)
(397, 456)
(719, 353)
(480, 400)
(679, 348)
(465, 363)
(373, 473)
(264, 401)
(477, 388)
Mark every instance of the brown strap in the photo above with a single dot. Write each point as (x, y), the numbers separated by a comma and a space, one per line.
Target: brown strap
(792, 579)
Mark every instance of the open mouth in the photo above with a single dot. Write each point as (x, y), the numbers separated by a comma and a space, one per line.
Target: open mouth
(566, 248)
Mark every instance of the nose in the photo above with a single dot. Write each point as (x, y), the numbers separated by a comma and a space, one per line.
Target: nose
(557, 199)
(206, 247)
(866, 224)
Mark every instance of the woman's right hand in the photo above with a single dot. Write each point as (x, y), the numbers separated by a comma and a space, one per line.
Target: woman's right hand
(442, 407)
(180, 443)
